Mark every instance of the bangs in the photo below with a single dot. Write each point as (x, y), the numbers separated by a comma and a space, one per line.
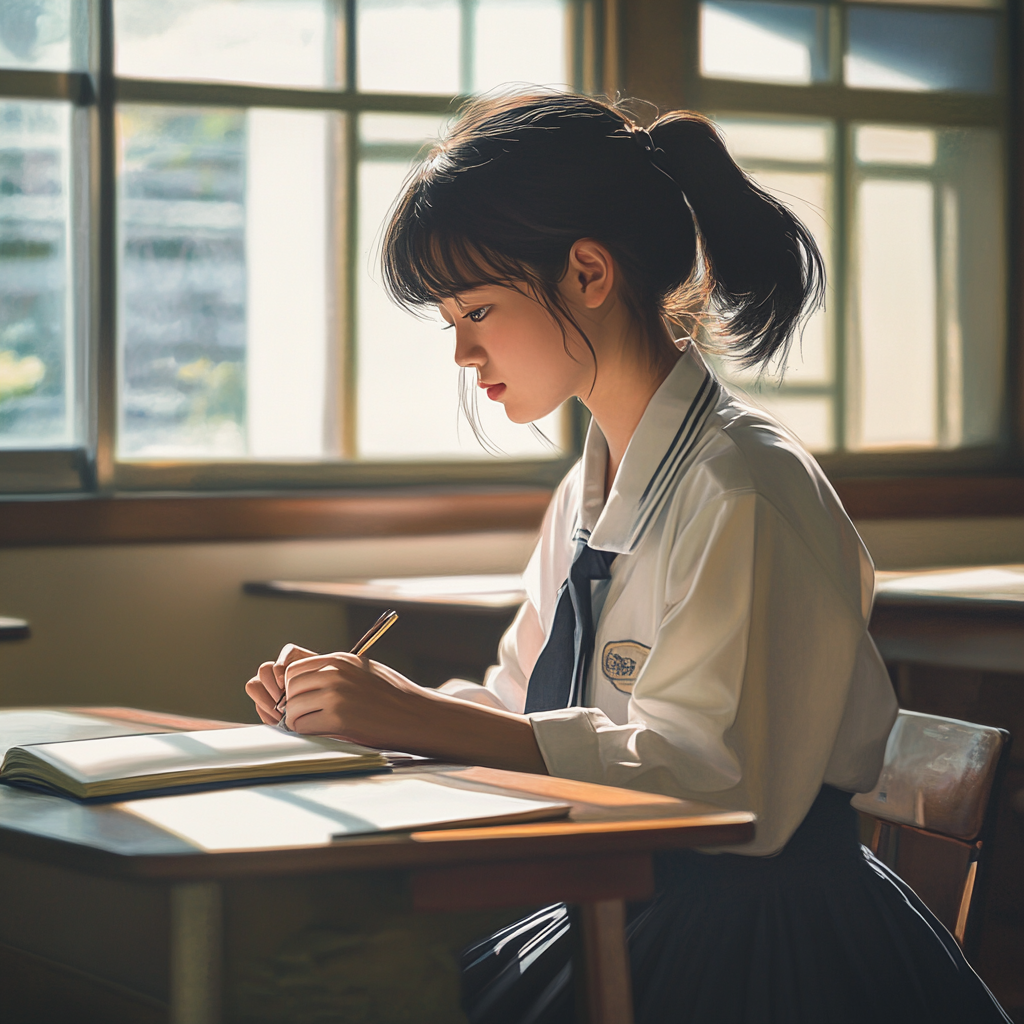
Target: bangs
(424, 262)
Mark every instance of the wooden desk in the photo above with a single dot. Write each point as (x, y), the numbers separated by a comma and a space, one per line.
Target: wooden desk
(450, 625)
(970, 618)
(14, 629)
(108, 918)
(954, 643)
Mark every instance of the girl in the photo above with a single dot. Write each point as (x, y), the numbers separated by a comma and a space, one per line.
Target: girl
(698, 600)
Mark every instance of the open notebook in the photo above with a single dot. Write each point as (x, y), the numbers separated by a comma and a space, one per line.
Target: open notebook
(120, 765)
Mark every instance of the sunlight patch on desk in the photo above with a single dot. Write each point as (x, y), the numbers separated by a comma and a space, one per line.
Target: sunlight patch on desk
(312, 814)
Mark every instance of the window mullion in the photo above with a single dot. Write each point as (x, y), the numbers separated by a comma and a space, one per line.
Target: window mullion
(104, 209)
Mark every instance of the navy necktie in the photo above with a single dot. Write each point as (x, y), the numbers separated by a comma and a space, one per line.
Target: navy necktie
(559, 676)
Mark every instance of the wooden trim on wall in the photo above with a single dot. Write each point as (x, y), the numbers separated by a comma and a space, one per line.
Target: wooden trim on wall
(157, 519)
(149, 519)
(929, 497)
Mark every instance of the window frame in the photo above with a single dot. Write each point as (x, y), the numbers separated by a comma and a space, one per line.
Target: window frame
(94, 467)
(630, 52)
(649, 30)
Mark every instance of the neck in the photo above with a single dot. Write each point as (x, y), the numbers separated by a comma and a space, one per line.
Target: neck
(626, 382)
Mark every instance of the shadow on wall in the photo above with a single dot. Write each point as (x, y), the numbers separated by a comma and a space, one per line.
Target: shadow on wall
(167, 627)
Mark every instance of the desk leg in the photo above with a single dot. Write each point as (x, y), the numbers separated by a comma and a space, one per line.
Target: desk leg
(603, 991)
(196, 953)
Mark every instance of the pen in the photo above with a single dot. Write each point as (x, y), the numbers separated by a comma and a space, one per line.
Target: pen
(369, 638)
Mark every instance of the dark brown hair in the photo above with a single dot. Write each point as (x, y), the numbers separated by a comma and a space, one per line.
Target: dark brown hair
(520, 178)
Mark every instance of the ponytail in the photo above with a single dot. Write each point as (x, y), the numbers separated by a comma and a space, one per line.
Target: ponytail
(766, 273)
(519, 179)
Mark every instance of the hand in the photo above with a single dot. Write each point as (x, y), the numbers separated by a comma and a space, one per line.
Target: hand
(266, 688)
(346, 695)
(369, 703)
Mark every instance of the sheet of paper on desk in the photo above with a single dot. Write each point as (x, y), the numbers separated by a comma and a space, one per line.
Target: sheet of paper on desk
(313, 813)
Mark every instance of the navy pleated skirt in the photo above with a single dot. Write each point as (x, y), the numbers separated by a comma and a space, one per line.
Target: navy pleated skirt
(822, 933)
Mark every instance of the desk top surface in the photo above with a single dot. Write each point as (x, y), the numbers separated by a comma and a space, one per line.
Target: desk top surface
(988, 587)
(974, 588)
(13, 629)
(495, 592)
(114, 839)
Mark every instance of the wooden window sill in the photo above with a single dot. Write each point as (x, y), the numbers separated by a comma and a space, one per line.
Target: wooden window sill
(141, 519)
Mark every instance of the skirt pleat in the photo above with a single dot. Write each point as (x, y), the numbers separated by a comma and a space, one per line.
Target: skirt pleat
(822, 932)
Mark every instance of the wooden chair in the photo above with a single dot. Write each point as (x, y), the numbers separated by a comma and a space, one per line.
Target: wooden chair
(934, 810)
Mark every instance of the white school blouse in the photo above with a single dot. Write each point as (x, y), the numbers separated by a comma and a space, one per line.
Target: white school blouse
(732, 661)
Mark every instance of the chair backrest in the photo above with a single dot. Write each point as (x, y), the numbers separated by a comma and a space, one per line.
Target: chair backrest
(934, 810)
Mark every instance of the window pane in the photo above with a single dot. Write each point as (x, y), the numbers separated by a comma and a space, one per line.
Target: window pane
(809, 417)
(448, 47)
(520, 41)
(792, 160)
(45, 35)
(919, 51)
(996, 4)
(931, 277)
(267, 42)
(37, 371)
(901, 147)
(764, 42)
(408, 383)
(225, 264)
(409, 46)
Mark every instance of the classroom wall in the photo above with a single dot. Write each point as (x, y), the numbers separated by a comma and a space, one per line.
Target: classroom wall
(167, 627)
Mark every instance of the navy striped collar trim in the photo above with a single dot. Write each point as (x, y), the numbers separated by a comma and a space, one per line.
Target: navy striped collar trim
(660, 484)
(669, 431)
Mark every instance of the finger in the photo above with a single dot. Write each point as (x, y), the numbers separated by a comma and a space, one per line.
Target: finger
(268, 678)
(319, 661)
(292, 652)
(289, 653)
(336, 677)
(267, 717)
(261, 698)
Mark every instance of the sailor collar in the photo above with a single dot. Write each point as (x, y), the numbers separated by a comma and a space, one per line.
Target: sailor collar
(665, 435)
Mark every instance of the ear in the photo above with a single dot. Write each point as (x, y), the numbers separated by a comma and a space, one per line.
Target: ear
(590, 276)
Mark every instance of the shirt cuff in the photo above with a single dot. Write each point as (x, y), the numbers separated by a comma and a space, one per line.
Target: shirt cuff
(569, 743)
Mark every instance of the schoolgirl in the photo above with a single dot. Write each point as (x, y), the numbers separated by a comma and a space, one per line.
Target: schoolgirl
(697, 610)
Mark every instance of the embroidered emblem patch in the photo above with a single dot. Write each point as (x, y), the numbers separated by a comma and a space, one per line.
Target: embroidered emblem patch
(621, 662)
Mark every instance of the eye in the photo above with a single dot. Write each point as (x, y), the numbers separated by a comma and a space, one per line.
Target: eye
(476, 315)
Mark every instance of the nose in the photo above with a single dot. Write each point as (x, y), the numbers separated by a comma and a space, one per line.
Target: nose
(467, 352)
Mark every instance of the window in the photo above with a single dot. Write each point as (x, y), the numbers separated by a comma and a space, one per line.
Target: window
(189, 231)
(884, 126)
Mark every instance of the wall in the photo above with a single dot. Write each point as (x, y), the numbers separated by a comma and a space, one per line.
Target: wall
(167, 627)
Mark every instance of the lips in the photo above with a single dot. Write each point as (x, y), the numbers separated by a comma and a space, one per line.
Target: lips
(494, 391)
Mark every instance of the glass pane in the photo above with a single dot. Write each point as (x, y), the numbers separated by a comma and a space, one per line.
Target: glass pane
(994, 4)
(520, 41)
(792, 161)
(225, 264)
(767, 140)
(930, 303)
(408, 397)
(409, 46)
(809, 417)
(920, 51)
(266, 42)
(764, 42)
(36, 356)
(45, 35)
(881, 144)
